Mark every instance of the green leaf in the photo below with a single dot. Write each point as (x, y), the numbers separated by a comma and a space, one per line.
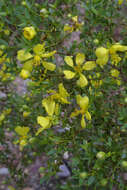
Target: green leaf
(94, 10)
(91, 179)
(3, 42)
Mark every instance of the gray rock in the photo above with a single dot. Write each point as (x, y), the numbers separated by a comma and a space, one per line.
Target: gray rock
(66, 155)
(4, 171)
(125, 176)
(64, 172)
(2, 95)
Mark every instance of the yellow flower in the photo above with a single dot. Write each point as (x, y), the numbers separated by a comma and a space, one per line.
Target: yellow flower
(7, 111)
(120, 2)
(24, 74)
(102, 56)
(78, 69)
(39, 49)
(52, 107)
(83, 103)
(75, 18)
(96, 83)
(22, 144)
(114, 72)
(29, 32)
(23, 133)
(77, 26)
(61, 95)
(68, 28)
(46, 122)
(115, 58)
(48, 54)
(2, 57)
(24, 56)
(117, 47)
(2, 117)
(118, 82)
(40, 54)
(7, 32)
(26, 114)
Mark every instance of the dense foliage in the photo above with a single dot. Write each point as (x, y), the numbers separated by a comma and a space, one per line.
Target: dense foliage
(71, 55)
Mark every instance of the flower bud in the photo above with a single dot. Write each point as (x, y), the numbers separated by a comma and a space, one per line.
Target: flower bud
(7, 32)
(83, 175)
(24, 74)
(124, 164)
(29, 32)
(125, 100)
(101, 155)
(41, 169)
(32, 140)
(96, 41)
(104, 182)
(26, 114)
(23, 3)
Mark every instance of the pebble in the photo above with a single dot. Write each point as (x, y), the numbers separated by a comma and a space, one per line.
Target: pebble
(64, 172)
(66, 155)
(4, 171)
(125, 176)
(2, 95)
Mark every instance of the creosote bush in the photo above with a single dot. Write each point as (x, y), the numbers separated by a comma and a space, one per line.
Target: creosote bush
(72, 58)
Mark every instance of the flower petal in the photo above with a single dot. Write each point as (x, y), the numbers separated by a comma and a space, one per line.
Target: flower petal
(49, 66)
(49, 106)
(75, 113)
(23, 55)
(114, 72)
(88, 116)
(101, 52)
(39, 49)
(69, 60)
(62, 91)
(68, 28)
(22, 131)
(89, 65)
(80, 57)
(43, 121)
(48, 54)
(82, 82)
(117, 47)
(83, 123)
(28, 65)
(39, 131)
(102, 61)
(69, 74)
(82, 102)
